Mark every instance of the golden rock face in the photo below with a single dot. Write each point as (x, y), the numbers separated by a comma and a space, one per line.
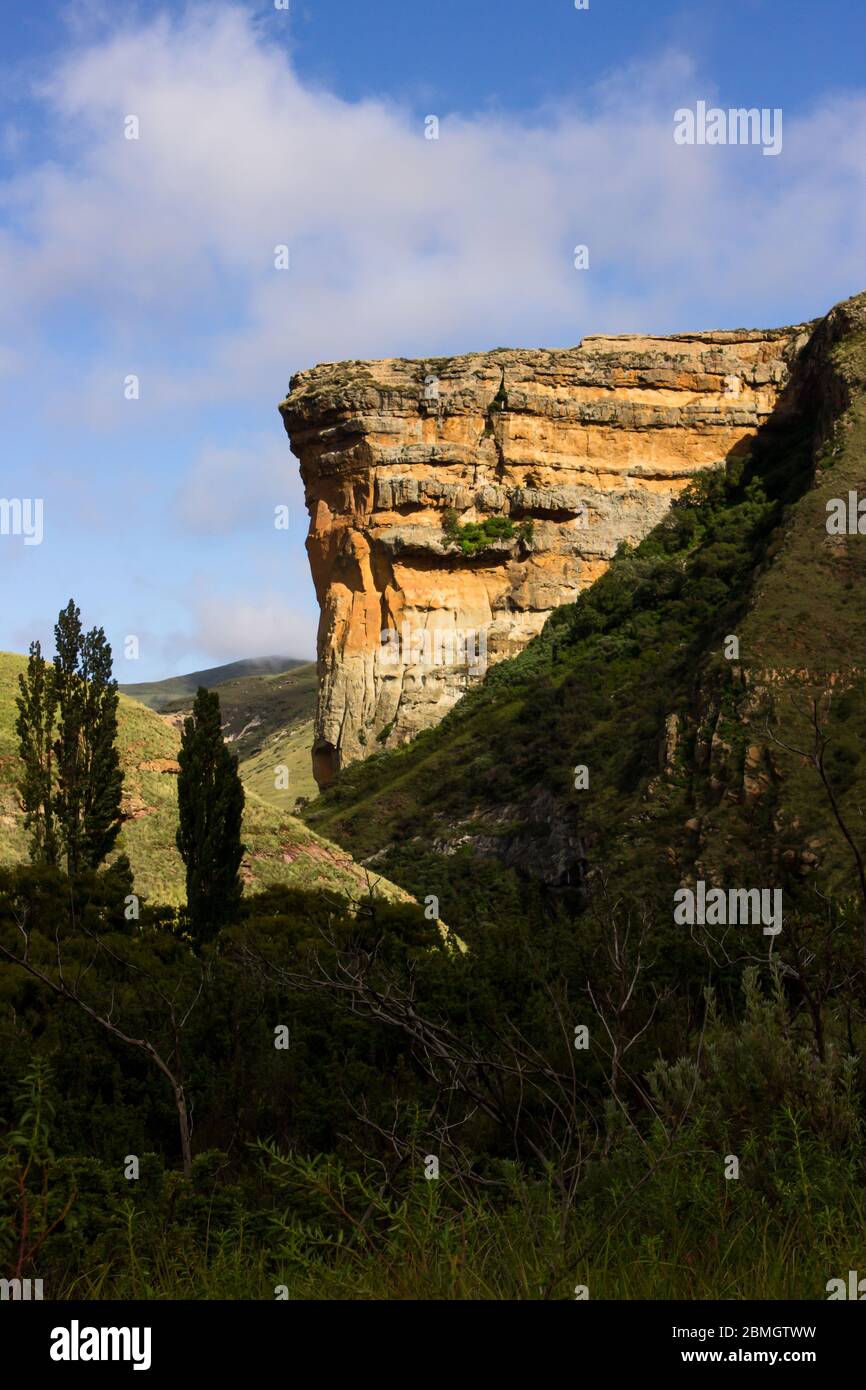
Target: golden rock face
(578, 448)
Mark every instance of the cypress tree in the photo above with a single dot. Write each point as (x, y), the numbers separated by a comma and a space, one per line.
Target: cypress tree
(37, 705)
(102, 775)
(67, 747)
(210, 799)
(89, 779)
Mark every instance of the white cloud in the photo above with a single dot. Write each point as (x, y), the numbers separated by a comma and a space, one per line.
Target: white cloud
(228, 490)
(398, 243)
(231, 629)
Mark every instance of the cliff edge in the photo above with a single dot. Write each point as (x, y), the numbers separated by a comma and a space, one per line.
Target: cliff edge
(456, 502)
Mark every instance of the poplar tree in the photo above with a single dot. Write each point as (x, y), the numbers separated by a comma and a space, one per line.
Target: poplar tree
(210, 798)
(84, 781)
(37, 705)
(69, 688)
(102, 776)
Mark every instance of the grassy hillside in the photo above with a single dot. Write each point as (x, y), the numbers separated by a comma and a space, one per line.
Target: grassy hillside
(683, 746)
(289, 748)
(177, 691)
(267, 719)
(280, 848)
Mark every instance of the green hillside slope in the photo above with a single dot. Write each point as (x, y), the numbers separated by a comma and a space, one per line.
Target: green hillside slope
(280, 848)
(688, 752)
(267, 719)
(178, 690)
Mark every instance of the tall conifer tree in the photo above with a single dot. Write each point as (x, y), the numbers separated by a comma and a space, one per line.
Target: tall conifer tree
(102, 775)
(37, 705)
(210, 805)
(71, 783)
(67, 747)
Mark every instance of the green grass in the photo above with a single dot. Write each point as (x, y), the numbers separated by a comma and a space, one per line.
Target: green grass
(427, 1247)
(289, 749)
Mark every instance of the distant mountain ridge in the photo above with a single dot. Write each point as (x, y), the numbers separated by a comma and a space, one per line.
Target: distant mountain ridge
(159, 695)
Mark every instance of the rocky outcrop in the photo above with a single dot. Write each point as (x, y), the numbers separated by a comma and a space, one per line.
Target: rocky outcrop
(555, 456)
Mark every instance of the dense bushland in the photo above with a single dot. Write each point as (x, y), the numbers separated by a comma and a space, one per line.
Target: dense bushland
(558, 1166)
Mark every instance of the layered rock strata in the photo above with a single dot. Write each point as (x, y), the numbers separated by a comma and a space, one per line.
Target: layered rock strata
(556, 456)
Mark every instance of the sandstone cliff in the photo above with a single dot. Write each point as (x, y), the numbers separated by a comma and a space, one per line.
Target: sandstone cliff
(579, 449)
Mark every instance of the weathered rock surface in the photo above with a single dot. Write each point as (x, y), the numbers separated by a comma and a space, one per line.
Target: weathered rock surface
(589, 444)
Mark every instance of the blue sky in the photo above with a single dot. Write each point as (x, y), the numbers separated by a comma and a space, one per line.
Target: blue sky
(260, 127)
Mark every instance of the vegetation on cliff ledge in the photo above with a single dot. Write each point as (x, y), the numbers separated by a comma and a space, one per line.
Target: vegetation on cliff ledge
(475, 536)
